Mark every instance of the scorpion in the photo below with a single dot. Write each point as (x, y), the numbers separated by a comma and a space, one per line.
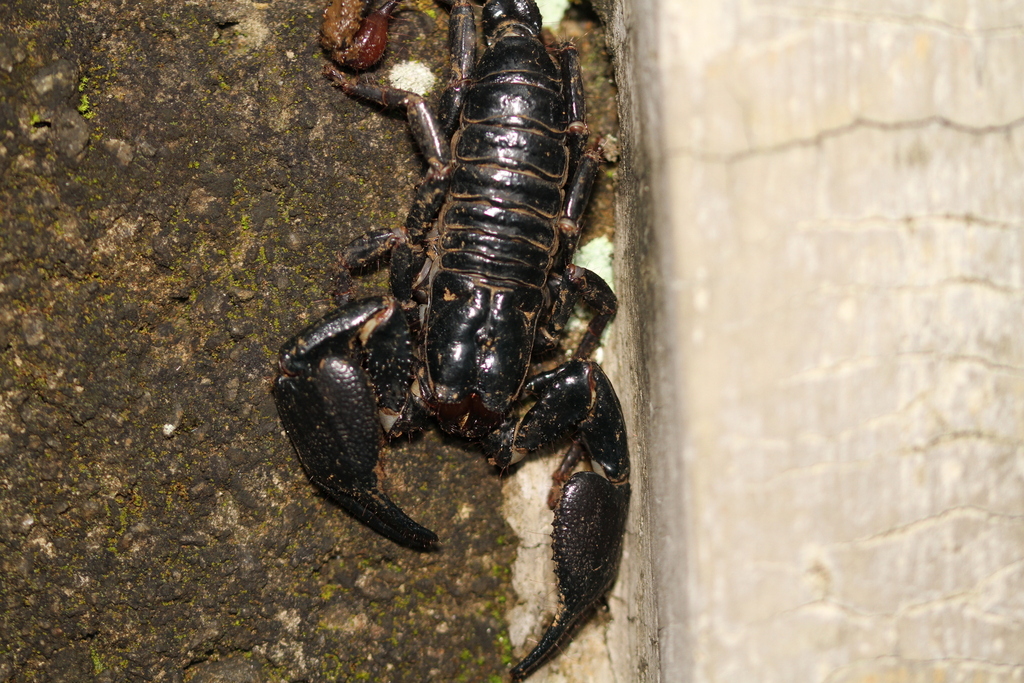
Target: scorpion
(481, 284)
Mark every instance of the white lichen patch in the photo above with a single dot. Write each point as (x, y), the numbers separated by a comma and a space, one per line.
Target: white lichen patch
(533, 575)
(227, 516)
(290, 619)
(171, 425)
(586, 660)
(412, 76)
(596, 256)
(552, 12)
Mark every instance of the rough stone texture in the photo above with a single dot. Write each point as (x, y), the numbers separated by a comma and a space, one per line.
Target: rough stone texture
(177, 181)
(840, 454)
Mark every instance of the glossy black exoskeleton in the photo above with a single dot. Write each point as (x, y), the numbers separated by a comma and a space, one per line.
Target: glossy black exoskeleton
(483, 267)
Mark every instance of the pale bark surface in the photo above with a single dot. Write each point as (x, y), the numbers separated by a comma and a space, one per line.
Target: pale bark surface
(839, 487)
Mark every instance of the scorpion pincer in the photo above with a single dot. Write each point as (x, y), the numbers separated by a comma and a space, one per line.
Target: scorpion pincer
(482, 282)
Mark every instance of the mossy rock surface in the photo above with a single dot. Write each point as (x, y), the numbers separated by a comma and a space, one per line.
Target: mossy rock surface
(177, 182)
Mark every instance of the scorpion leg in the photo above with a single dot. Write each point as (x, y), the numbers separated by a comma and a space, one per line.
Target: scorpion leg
(572, 84)
(422, 121)
(577, 194)
(405, 244)
(344, 381)
(562, 293)
(569, 282)
(572, 457)
(562, 300)
(590, 515)
(597, 295)
(566, 289)
(462, 48)
(362, 252)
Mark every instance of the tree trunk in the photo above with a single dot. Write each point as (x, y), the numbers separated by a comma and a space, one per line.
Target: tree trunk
(833, 253)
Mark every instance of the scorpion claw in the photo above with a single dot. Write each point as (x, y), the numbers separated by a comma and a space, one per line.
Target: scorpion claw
(330, 411)
(330, 415)
(590, 512)
(589, 523)
(373, 508)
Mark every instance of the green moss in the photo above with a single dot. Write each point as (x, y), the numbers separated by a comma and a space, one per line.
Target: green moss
(97, 661)
(504, 646)
(84, 108)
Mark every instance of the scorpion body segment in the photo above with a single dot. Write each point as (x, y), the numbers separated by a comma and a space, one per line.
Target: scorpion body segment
(483, 262)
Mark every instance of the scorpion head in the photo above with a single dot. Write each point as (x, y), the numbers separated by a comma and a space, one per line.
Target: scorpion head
(468, 418)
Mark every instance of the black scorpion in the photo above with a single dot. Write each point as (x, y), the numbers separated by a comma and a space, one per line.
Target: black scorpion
(481, 283)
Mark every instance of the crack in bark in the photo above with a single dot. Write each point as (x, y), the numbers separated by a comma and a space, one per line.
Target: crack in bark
(853, 126)
(820, 12)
